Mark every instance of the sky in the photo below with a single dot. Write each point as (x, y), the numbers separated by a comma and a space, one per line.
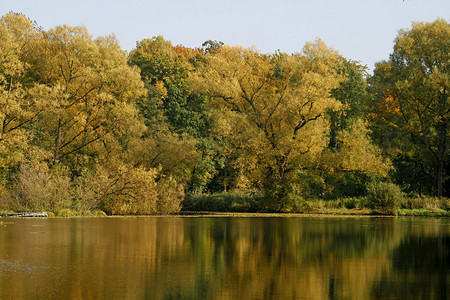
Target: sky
(361, 30)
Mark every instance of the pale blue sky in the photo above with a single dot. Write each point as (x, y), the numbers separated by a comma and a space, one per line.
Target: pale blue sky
(361, 30)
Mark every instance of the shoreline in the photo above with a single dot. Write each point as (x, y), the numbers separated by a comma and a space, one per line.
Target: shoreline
(356, 213)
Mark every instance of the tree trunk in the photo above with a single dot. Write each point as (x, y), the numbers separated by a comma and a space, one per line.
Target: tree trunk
(441, 157)
(333, 130)
(57, 143)
(440, 179)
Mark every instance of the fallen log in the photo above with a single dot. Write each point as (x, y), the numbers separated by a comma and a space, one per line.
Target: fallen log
(25, 215)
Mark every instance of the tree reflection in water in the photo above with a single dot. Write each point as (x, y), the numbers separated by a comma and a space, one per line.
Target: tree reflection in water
(226, 258)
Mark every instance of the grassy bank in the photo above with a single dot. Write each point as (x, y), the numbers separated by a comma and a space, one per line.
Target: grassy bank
(222, 202)
(247, 203)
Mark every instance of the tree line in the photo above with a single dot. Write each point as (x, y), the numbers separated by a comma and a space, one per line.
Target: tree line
(86, 126)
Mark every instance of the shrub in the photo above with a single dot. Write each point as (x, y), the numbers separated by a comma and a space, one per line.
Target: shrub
(445, 204)
(335, 203)
(139, 191)
(384, 197)
(234, 201)
(170, 196)
(39, 188)
(87, 190)
(351, 203)
(7, 202)
(433, 203)
(67, 213)
(412, 203)
(98, 213)
(425, 202)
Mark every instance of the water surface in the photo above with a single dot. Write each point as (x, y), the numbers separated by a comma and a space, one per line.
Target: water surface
(225, 258)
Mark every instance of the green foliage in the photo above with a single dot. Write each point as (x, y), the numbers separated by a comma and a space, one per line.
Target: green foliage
(85, 128)
(69, 122)
(351, 203)
(412, 175)
(346, 184)
(352, 93)
(173, 109)
(273, 123)
(164, 70)
(425, 202)
(212, 47)
(336, 206)
(236, 201)
(410, 105)
(186, 111)
(422, 212)
(384, 197)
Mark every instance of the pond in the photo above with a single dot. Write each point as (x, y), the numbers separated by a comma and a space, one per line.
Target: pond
(225, 258)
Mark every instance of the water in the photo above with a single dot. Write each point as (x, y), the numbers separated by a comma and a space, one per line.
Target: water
(225, 258)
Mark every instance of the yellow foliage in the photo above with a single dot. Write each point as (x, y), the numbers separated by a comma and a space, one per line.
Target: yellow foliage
(175, 155)
(130, 190)
(272, 106)
(358, 153)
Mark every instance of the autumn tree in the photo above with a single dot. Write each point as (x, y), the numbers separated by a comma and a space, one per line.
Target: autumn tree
(21, 100)
(69, 122)
(212, 47)
(96, 91)
(174, 112)
(351, 159)
(411, 103)
(272, 108)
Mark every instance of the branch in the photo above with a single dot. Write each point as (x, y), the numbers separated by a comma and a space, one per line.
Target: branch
(304, 121)
(80, 147)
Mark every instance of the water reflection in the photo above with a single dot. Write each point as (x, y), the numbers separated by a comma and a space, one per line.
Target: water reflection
(225, 258)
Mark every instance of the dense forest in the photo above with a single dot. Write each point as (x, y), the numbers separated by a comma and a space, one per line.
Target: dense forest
(86, 126)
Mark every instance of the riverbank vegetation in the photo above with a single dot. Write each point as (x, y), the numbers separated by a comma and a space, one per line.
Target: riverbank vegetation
(87, 127)
(357, 206)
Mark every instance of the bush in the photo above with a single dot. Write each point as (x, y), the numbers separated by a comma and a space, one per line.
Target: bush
(309, 206)
(425, 202)
(384, 197)
(121, 190)
(67, 213)
(38, 187)
(98, 213)
(222, 202)
(88, 189)
(412, 203)
(335, 203)
(351, 203)
(138, 191)
(445, 204)
(128, 190)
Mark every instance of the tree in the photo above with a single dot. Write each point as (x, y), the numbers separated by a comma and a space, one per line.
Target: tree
(96, 93)
(411, 101)
(352, 159)
(272, 109)
(175, 114)
(70, 133)
(352, 93)
(165, 70)
(21, 100)
(212, 47)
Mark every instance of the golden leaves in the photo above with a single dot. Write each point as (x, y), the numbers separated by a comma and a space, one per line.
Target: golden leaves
(358, 153)
(272, 107)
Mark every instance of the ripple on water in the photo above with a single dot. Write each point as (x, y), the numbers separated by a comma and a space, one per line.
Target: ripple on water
(7, 267)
